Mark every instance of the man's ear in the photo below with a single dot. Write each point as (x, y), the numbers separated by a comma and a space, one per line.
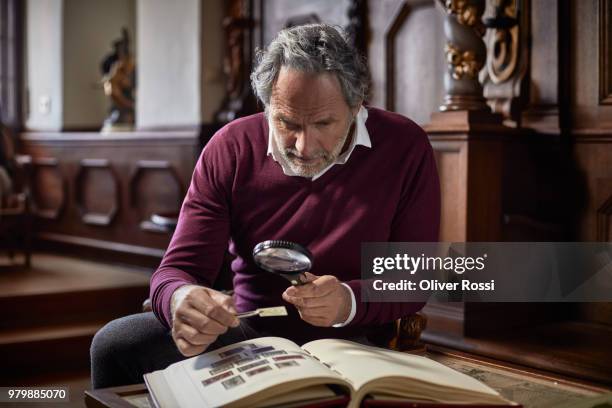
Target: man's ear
(355, 110)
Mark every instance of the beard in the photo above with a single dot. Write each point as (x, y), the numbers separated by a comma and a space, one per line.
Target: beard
(290, 158)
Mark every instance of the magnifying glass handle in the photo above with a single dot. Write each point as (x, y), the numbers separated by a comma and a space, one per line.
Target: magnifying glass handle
(296, 279)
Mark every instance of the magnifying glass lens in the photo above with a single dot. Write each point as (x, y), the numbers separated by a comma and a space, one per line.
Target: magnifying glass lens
(282, 259)
(285, 258)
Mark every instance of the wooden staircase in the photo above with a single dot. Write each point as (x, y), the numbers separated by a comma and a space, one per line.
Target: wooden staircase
(50, 313)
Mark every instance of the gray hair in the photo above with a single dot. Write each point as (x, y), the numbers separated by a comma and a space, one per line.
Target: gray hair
(312, 48)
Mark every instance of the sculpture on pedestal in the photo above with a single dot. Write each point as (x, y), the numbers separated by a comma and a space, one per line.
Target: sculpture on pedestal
(119, 77)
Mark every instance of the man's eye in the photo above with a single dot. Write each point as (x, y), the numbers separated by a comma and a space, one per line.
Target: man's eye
(289, 125)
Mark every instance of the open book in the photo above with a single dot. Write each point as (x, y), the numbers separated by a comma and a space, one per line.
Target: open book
(272, 371)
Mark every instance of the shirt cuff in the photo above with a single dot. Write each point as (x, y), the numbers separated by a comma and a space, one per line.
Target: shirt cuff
(353, 308)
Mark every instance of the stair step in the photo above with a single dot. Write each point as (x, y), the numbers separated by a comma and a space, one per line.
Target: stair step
(47, 333)
(50, 313)
(74, 306)
(46, 349)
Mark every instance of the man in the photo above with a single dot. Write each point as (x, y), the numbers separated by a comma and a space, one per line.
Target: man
(318, 169)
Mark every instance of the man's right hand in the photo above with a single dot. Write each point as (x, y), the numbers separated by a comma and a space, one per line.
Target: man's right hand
(199, 316)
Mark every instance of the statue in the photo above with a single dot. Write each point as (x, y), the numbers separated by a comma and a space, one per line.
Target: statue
(239, 100)
(119, 77)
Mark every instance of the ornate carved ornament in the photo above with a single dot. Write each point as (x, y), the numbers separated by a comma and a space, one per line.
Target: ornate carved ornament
(464, 63)
(466, 14)
(504, 79)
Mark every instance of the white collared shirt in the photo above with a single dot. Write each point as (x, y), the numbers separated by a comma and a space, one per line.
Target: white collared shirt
(361, 137)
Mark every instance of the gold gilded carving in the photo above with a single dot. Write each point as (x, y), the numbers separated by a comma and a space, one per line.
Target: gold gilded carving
(466, 14)
(464, 63)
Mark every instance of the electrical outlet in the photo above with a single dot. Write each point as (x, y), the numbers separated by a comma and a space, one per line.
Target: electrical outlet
(44, 104)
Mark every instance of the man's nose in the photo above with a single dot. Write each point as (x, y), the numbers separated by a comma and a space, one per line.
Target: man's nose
(305, 144)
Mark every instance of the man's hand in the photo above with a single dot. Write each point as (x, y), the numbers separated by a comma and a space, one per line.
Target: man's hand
(323, 301)
(199, 316)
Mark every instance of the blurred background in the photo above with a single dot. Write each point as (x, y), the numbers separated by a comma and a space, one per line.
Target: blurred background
(106, 104)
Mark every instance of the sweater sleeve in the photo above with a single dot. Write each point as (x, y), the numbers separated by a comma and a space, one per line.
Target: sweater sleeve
(417, 219)
(196, 250)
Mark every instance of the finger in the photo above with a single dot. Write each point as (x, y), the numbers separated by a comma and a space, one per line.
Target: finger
(326, 284)
(201, 323)
(223, 316)
(310, 276)
(307, 289)
(215, 311)
(307, 277)
(187, 349)
(296, 301)
(319, 287)
(307, 302)
(314, 313)
(315, 302)
(226, 301)
(193, 336)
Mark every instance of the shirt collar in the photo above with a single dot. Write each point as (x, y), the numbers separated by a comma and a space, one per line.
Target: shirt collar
(360, 137)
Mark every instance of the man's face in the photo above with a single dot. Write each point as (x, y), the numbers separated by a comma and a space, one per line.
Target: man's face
(310, 120)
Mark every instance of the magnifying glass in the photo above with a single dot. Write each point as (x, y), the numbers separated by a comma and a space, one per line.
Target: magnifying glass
(284, 258)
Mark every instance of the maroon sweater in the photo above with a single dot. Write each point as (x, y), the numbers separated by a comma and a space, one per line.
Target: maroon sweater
(239, 196)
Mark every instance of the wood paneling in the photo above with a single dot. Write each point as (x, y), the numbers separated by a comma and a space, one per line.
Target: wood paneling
(590, 65)
(94, 190)
(470, 158)
(414, 44)
(155, 187)
(604, 211)
(605, 52)
(542, 113)
(451, 159)
(97, 192)
(49, 188)
(594, 161)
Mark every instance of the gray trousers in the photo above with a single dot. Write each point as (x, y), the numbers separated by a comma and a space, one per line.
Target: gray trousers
(126, 348)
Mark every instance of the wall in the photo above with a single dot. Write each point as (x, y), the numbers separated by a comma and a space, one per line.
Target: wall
(170, 65)
(44, 45)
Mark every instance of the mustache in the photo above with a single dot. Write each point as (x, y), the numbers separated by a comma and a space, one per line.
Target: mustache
(292, 151)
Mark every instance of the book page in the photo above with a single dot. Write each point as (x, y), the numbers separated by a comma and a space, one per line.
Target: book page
(236, 371)
(364, 364)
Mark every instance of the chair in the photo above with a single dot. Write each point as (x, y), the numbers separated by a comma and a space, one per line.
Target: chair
(15, 211)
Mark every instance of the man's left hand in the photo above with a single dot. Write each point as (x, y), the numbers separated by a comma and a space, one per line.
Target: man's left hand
(323, 301)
